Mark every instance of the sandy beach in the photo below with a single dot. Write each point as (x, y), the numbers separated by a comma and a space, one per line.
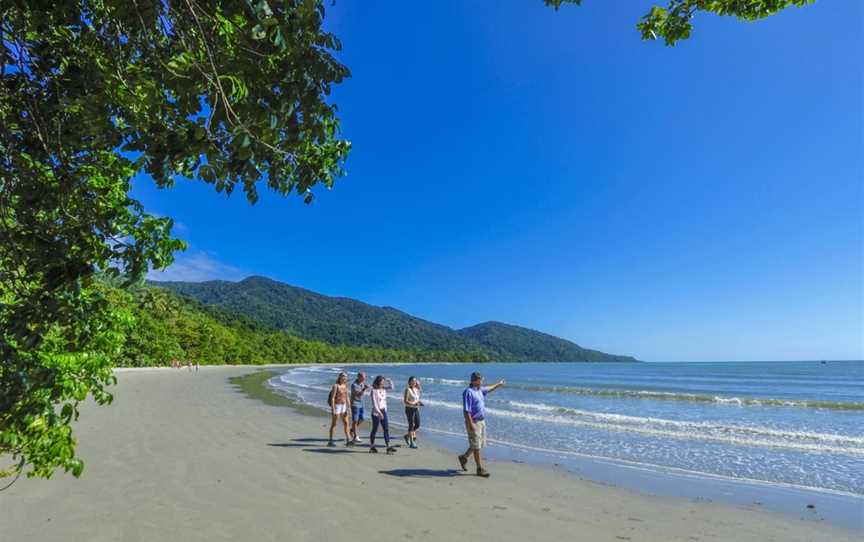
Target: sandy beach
(186, 456)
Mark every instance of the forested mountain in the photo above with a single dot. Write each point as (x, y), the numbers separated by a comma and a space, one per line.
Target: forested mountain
(344, 321)
(165, 327)
(506, 341)
(335, 320)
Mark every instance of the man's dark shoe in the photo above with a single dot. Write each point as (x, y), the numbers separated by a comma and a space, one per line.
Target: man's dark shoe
(483, 473)
(373, 450)
(330, 444)
(463, 462)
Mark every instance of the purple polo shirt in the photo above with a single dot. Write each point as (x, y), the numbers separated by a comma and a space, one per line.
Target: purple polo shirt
(474, 402)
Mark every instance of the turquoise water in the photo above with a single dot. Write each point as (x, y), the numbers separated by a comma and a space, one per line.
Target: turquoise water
(795, 424)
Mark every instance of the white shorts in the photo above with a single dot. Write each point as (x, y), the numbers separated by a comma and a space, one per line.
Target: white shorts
(340, 409)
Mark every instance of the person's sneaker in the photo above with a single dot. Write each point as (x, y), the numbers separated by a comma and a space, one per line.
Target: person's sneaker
(412, 445)
(349, 443)
(373, 450)
(483, 473)
(391, 450)
(330, 444)
(407, 440)
(463, 462)
(357, 440)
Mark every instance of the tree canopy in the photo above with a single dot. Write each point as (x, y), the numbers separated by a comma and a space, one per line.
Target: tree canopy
(231, 92)
(673, 22)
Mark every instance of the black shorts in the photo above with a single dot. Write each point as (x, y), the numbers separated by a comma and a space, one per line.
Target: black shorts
(413, 414)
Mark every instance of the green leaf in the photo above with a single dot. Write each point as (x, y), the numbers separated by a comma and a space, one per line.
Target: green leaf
(259, 32)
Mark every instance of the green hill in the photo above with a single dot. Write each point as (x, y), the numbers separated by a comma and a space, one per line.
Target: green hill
(166, 327)
(348, 322)
(506, 341)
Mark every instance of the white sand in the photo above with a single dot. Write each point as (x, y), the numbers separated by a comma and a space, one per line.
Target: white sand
(183, 456)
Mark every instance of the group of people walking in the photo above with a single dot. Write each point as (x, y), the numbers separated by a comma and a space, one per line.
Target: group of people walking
(344, 400)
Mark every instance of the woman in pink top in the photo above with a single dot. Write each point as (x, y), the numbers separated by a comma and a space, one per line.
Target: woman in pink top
(379, 413)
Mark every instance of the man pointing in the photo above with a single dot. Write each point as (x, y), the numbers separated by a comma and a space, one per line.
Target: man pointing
(474, 410)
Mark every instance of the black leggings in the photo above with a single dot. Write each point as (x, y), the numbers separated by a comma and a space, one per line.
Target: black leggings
(413, 414)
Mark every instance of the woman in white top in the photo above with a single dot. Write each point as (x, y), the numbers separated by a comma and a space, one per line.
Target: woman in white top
(412, 410)
(379, 413)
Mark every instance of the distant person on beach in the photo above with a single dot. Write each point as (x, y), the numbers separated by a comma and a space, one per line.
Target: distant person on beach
(474, 410)
(412, 410)
(379, 413)
(338, 401)
(358, 388)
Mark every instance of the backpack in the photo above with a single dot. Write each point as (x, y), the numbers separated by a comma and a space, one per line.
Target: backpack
(330, 395)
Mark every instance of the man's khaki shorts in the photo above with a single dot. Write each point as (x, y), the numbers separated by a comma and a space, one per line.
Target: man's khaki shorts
(477, 439)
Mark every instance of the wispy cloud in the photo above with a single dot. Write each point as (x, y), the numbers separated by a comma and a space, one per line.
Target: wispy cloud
(180, 228)
(197, 266)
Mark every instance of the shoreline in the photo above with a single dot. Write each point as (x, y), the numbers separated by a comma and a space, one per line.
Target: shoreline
(182, 456)
(841, 509)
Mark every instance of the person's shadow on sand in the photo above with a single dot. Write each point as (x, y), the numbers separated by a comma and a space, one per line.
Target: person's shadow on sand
(435, 473)
(301, 443)
(306, 448)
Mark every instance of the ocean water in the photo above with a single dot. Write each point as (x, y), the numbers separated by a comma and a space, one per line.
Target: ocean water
(789, 424)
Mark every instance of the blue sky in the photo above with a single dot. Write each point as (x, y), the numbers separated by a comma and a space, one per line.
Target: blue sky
(549, 169)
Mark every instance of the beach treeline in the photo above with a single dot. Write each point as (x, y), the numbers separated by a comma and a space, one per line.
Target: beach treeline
(168, 327)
